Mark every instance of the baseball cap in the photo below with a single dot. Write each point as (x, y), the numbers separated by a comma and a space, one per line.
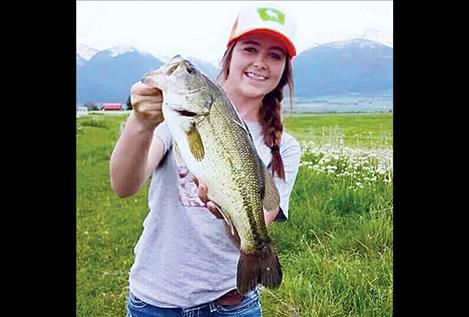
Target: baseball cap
(269, 18)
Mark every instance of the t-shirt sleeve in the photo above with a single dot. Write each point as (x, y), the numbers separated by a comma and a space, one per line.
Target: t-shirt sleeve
(291, 153)
(162, 132)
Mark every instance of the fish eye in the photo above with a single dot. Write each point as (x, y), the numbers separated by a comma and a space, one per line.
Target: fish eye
(190, 70)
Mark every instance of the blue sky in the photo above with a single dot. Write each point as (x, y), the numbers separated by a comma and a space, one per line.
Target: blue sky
(201, 28)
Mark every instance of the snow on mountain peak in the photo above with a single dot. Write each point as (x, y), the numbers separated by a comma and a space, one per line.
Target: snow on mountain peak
(368, 37)
(374, 34)
(356, 42)
(121, 49)
(85, 51)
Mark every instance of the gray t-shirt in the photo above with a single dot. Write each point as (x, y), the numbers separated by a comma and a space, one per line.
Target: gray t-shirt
(184, 257)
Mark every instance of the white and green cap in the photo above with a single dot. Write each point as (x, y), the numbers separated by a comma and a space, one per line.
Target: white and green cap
(269, 18)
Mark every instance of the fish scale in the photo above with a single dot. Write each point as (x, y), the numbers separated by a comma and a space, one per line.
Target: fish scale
(244, 169)
(213, 142)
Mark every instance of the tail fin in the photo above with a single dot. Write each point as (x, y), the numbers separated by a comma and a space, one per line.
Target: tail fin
(260, 267)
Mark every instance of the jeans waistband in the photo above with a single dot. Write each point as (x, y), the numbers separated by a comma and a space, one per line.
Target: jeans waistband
(209, 305)
(212, 306)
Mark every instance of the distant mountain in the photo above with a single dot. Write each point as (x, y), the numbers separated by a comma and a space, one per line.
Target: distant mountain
(341, 68)
(109, 74)
(207, 68)
(80, 61)
(350, 67)
(84, 53)
(374, 34)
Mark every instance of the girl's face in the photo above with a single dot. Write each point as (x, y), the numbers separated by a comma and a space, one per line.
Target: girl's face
(257, 64)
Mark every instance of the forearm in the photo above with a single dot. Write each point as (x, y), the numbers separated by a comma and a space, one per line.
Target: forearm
(129, 160)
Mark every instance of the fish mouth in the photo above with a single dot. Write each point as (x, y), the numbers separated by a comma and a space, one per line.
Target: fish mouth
(172, 68)
(186, 113)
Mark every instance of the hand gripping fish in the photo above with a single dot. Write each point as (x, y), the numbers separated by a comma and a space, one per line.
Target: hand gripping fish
(213, 141)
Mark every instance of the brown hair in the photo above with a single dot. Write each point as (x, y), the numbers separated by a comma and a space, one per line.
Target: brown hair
(270, 113)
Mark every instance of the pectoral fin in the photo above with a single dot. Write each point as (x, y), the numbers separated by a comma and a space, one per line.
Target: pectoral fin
(271, 200)
(195, 143)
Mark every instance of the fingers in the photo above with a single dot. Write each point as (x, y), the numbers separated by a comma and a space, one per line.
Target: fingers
(147, 104)
(211, 206)
(152, 101)
(202, 191)
(145, 97)
(196, 180)
(143, 89)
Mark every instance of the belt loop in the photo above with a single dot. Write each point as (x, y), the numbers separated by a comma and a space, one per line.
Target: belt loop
(212, 307)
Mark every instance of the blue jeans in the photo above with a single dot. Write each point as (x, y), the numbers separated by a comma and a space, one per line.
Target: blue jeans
(249, 307)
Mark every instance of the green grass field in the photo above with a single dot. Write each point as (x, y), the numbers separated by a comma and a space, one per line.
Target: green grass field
(336, 249)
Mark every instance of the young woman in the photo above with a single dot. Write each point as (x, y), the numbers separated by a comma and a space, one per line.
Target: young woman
(184, 263)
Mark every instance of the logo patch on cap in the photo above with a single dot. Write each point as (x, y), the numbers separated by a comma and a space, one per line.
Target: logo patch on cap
(270, 14)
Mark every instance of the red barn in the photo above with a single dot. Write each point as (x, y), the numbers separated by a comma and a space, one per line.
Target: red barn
(112, 106)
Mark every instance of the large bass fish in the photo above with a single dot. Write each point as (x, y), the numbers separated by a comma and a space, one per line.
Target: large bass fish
(212, 140)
